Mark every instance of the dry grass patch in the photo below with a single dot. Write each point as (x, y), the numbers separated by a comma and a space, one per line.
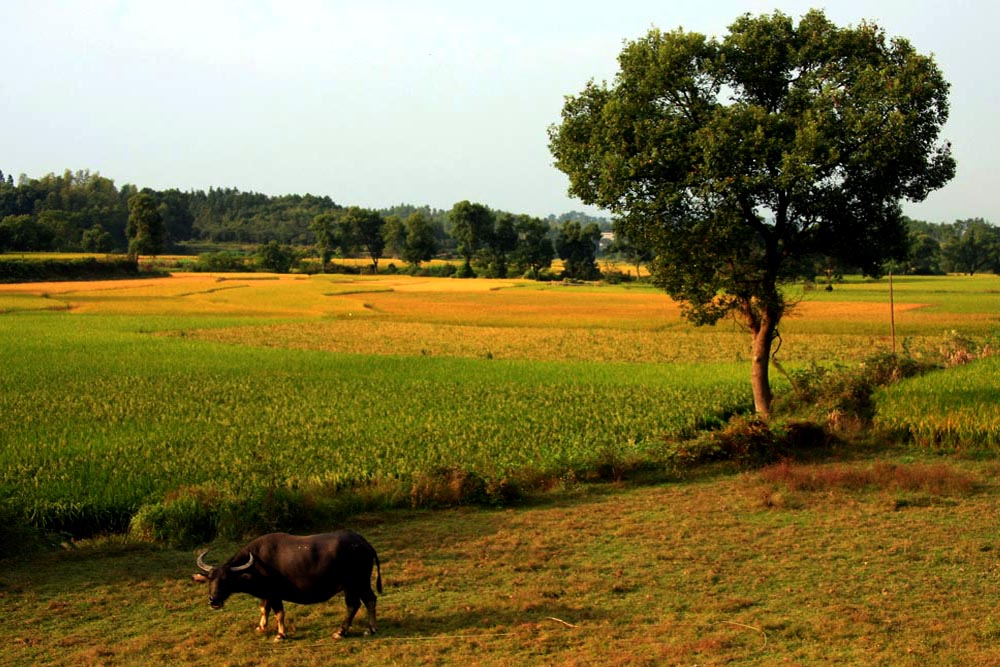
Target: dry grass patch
(936, 478)
(790, 485)
(836, 310)
(525, 306)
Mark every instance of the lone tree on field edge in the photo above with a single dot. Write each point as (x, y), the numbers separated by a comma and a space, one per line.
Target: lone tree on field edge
(736, 160)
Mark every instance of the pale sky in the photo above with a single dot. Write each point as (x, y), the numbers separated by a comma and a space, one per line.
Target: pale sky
(381, 102)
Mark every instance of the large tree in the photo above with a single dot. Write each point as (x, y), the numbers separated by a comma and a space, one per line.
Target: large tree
(534, 250)
(973, 245)
(364, 227)
(421, 244)
(326, 231)
(577, 248)
(471, 227)
(145, 230)
(735, 159)
(500, 244)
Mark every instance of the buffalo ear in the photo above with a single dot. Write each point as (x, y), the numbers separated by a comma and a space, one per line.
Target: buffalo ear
(200, 578)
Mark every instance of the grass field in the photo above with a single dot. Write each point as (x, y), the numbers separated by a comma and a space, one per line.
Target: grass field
(117, 395)
(846, 563)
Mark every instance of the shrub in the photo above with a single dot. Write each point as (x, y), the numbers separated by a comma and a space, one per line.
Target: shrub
(456, 486)
(345, 269)
(750, 442)
(430, 270)
(616, 277)
(224, 261)
(266, 510)
(195, 515)
(442, 270)
(845, 395)
(447, 486)
(86, 268)
(277, 258)
(185, 520)
(745, 441)
(465, 271)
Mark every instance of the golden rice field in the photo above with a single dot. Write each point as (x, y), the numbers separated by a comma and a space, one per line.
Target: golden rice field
(510, 319)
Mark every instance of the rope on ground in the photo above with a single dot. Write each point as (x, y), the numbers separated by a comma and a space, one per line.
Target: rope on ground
(749, 627)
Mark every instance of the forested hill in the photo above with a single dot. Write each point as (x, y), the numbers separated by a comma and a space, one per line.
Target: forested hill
(54, 212)
(58, 212)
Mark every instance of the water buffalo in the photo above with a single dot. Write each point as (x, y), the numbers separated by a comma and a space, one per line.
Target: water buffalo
(278, 568)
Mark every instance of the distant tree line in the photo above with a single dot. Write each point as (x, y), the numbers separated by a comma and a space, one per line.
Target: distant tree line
(84, 211)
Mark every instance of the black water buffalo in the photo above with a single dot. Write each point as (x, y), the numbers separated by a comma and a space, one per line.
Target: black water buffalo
(279, 568)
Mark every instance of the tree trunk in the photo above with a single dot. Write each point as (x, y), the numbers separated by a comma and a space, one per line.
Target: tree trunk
(763, 336)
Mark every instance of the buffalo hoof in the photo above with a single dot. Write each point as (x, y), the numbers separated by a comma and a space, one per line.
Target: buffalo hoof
(339, 634)
(369, 632)
(280, 638)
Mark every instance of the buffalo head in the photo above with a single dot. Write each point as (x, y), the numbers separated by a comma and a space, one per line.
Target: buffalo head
(222, 581)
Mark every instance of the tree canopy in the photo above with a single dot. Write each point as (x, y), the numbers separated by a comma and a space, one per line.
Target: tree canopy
(145, 230)
(577, 247)
(737, 159)
(471, 227)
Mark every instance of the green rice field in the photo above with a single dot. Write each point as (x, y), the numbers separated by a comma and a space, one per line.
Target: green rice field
(115, 395)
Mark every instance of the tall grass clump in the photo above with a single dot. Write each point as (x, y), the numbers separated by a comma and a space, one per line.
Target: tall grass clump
(841, 396)
(823, 406)
(196, 515)
(748, 441)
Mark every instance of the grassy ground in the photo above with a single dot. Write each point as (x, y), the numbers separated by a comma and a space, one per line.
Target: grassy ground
(857, 563)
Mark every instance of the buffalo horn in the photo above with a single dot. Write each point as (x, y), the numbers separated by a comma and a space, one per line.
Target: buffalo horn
(201, 562)
(240, 568)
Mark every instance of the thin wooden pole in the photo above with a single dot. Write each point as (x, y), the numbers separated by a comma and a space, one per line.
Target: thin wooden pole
(892, 312)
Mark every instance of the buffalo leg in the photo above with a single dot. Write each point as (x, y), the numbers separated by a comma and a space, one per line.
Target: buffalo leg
(279, 616)
(368, 597)
(353, 605)
(265, 608)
